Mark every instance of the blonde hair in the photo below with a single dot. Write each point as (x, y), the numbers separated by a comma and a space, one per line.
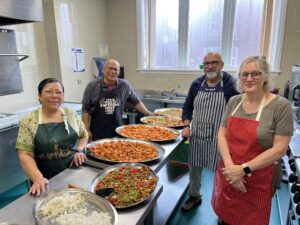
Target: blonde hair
(262, 65)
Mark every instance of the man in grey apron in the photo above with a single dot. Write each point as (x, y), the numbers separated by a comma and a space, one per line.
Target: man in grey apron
(202, 113)
(103, 102)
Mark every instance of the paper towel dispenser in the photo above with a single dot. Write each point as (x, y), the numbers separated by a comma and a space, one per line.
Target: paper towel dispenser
(20, 11)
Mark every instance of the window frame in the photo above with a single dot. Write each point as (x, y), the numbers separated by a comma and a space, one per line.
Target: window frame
(273, 32)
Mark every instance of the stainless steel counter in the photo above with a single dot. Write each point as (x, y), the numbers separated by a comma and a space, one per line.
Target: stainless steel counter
(21, 210)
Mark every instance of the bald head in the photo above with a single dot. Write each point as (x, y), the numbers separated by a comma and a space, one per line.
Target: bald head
(214, 55)
(111, 71)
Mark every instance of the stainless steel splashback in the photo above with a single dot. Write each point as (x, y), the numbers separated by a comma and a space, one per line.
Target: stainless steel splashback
(20, 11)
(10, 75)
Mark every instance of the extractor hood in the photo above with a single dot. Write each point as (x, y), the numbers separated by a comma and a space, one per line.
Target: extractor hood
(20, 11)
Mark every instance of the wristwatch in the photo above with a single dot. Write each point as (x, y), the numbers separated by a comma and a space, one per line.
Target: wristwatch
(186, 126)
(246, 169)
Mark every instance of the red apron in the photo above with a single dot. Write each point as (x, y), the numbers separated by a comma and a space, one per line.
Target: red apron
(231, 205)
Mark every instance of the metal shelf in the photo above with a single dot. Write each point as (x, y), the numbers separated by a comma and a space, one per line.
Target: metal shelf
(23, 56)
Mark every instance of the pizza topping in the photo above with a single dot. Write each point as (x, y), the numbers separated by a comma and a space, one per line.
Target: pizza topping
(148, 133)
(166, 120)
(124, 151)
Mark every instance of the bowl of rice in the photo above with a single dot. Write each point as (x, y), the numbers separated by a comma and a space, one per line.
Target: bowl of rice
(74, 207)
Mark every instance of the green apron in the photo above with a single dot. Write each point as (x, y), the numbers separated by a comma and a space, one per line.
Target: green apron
(53, 147)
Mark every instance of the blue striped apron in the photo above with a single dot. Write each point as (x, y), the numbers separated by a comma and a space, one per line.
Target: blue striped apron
(209, 105)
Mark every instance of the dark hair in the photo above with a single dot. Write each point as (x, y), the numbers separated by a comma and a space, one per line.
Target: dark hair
(48, 81)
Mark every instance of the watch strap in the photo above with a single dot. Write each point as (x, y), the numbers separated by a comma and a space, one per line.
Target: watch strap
(246, 169)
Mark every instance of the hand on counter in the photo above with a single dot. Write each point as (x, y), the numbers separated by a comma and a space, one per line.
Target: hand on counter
(78, 159)
(186, 132)
(39, 187)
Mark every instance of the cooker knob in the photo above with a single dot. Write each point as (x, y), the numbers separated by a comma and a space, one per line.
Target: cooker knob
(288, 151)
(298, 209)
(295, 187)
(293, 167)
(296, 197)
(292, 160)
(293, 178)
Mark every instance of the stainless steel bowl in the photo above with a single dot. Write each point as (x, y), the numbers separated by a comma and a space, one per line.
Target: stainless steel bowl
(95, 203)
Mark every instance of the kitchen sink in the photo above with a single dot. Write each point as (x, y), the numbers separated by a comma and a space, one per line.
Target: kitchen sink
(154, 97)
(176, 98)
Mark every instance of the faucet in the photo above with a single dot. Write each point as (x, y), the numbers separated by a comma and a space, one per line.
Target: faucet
(164, 93)
(174, 93)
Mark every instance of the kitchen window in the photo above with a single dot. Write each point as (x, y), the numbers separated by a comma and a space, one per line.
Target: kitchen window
(177, 34)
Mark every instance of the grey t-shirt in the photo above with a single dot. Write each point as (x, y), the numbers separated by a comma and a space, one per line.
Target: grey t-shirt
(91, 94)
(276, 119)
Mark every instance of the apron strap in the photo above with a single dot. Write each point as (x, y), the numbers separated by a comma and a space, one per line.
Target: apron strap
(63, 115)
(262, 103)
(261, 106)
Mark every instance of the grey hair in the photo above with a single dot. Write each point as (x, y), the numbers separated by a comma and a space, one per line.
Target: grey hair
(262, 65)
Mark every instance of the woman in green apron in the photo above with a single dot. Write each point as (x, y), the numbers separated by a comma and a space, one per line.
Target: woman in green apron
(51, 138)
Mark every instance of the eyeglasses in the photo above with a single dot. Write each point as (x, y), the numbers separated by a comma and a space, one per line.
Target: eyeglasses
(213, 63)
(254, 75)
(114, 69)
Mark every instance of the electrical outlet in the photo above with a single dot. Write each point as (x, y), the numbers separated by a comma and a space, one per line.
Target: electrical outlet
(79, 81)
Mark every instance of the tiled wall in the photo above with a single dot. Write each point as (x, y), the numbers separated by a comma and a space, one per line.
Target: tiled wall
(30, 40)
(75, 24)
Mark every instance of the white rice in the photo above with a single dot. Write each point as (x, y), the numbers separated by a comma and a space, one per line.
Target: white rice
(71, 209)
(99, 218)
(66, 202)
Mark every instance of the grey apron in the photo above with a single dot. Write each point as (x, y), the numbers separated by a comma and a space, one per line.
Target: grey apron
(209, 105)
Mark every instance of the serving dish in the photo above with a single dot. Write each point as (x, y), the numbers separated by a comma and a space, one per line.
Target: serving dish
(163, 120)
(147, 132)
(94, 203)
(133, 184)
(128, 148)
(169, 111)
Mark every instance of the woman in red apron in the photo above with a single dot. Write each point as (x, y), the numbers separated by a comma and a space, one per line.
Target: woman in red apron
(255, 132)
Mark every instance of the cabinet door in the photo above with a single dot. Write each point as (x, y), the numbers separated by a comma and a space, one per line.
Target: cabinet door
(10, 171)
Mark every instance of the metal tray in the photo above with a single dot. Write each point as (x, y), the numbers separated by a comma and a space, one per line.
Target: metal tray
(162, 111)
(159, 149)
(96, 203)
(118, 131)
(145, 118)
(117, 167)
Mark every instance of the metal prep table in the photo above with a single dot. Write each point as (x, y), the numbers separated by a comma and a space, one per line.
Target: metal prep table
(21, 210)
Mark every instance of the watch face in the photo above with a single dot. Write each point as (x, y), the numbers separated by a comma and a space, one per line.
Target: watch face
(247, 170)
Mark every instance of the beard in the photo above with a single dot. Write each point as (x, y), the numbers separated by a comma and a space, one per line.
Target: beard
(212, 75)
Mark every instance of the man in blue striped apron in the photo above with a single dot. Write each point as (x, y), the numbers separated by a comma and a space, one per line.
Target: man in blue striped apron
(202, 113)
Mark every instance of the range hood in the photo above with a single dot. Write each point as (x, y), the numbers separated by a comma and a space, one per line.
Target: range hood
(10, 74)
(20, 11)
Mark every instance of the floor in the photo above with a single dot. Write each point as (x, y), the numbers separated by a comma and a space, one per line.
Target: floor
(203, 215)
